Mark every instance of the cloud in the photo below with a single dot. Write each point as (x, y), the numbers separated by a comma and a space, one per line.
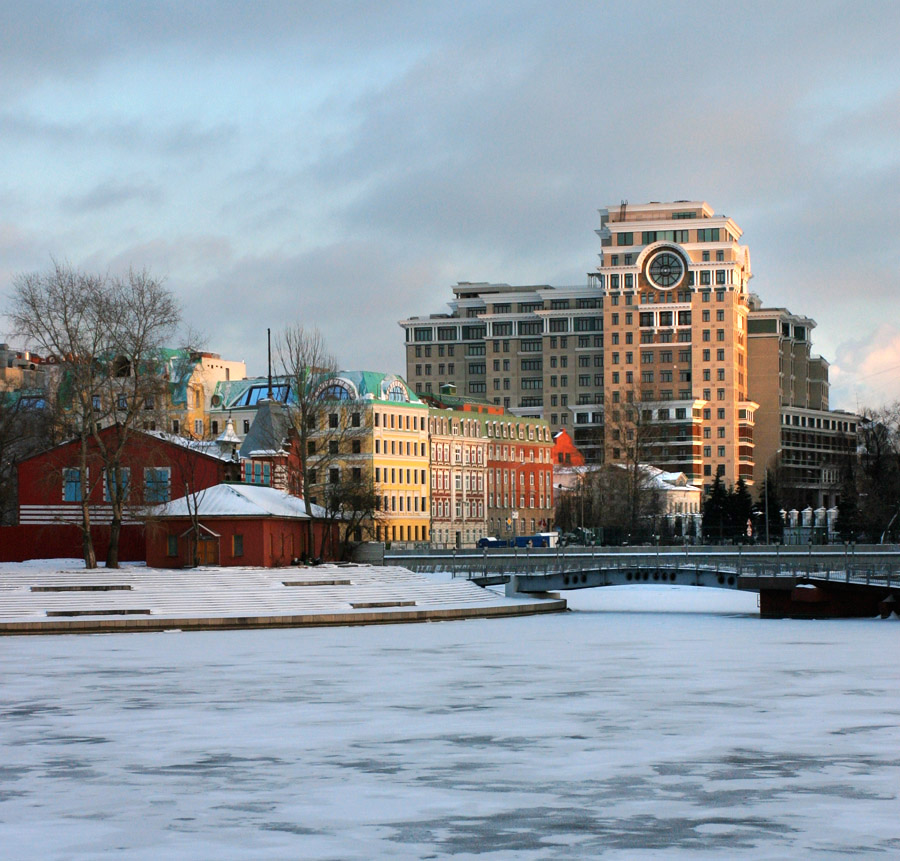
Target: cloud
(866, 369)
(110, 193)
(348, 163)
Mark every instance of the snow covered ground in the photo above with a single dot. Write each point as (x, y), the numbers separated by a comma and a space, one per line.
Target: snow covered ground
(652, 722)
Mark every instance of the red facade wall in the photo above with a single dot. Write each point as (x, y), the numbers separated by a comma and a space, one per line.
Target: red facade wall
(564, 451)
(63, 541)
(268, 541)
(41, 476)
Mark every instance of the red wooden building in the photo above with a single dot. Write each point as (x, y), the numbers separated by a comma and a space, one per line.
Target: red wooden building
(238, 524)
(155, 469)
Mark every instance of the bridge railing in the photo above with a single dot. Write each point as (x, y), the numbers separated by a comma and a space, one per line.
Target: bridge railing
(873, 567)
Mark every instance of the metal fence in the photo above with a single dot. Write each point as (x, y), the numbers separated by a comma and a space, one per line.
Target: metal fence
(846, 563)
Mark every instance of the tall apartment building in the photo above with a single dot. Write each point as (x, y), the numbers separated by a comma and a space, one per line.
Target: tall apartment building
(655, 339)
(674, 278)
(651, 360)
(797, 437)
(536, 351)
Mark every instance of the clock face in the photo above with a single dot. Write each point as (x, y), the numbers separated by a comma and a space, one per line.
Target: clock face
(666, 269)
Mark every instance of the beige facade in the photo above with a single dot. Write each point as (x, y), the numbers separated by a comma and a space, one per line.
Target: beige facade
(536, 351)
(650, 361)
(674, 279)
(798, 439)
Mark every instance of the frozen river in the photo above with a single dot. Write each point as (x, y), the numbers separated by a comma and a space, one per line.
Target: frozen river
(619, 734)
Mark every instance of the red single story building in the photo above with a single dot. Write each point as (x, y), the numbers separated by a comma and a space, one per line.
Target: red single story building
(51, 484)
(238, 524)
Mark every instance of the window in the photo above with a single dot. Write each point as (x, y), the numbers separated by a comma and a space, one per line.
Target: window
(124, 484)
(237, 545)
(157, 484)
(71, 485)
(356, 446)
(198, 427)
(171, 545)
(334, 475)
(246, 426)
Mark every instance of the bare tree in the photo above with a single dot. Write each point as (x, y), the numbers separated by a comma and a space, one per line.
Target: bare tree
(107, 335)
(26, 427)
(632, 432)
(351, 506)
(306, 363)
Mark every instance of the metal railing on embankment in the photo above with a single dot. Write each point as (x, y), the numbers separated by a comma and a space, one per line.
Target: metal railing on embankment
(849, 564)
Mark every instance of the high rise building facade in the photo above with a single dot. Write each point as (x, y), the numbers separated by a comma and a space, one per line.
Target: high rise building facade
(800, 443)
(663, 357)
(647, 361)
(673, 277)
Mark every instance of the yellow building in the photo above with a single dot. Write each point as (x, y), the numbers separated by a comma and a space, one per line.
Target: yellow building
(193, 377)
(391, 444)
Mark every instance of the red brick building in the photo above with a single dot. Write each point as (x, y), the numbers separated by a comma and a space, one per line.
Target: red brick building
(564, 451)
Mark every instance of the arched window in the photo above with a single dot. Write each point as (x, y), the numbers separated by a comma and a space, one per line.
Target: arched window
(396, 393)
(335, 392)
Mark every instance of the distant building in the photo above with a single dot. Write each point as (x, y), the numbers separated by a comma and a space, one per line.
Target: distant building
(803, 444)
(662, 357)
(564, 451)
(237, 524)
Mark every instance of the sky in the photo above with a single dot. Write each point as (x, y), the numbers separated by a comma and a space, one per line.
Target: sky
(343, 164)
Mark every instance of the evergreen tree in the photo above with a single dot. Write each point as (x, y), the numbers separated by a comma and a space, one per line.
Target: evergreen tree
(740, 505)
(848, 520)
(715, 511)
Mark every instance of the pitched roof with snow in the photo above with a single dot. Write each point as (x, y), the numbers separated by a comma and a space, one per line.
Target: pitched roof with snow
(240, 500)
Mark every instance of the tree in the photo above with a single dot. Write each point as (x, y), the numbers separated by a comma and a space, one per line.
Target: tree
(849, 521)
(106, 334)
(306, 364)
(26, 427)
(740, 510)
(769, 502)
(351, 505)
(879, 471)
(715, 511)
(633, 432)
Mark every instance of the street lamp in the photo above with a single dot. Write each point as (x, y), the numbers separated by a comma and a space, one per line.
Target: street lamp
(767, 493)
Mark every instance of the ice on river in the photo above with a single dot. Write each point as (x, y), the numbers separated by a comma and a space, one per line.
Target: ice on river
(652, 722)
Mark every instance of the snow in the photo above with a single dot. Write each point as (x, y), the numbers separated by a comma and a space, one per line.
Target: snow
(652, 722)
(240, 500)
